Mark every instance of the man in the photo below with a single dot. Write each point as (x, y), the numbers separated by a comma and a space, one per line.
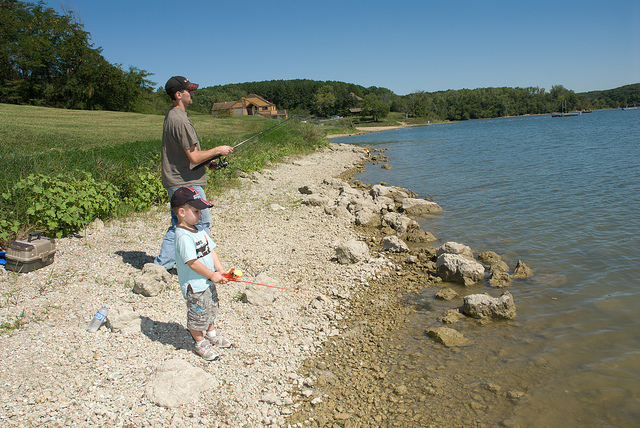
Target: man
(180, 149)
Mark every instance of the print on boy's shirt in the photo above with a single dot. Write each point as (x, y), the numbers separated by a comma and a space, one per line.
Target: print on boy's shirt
(202, 248)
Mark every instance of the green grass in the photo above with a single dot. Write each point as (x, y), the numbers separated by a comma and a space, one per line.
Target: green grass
(119, 148)
(51, 141)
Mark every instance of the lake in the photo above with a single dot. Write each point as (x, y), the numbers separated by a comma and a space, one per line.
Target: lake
(563, 196)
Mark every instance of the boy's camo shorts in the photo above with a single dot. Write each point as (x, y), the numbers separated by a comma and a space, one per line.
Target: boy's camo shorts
(202, 308)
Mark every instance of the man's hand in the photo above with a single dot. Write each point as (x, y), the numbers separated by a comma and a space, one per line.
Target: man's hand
(225, 150)
(196, 157)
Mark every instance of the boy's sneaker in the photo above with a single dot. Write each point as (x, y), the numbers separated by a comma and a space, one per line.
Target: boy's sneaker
(206, 351)
(219, 341)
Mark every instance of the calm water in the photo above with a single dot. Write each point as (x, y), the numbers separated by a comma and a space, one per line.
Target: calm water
(563, 195)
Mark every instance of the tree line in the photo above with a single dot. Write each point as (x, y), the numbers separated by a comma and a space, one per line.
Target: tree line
(47, 59)
(330, 98)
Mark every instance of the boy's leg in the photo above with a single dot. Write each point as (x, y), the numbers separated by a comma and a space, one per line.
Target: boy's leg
(198, 320)
(214, 305)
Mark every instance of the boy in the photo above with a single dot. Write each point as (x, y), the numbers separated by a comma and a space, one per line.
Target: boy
(199, 269)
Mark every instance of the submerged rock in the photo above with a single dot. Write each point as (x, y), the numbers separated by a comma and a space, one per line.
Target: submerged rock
(499, 275)
(414, 206)
(489, 257)
(522, 270)
(447, 336)
(485, 306)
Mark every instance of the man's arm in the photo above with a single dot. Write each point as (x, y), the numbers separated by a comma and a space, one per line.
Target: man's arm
(196, 156)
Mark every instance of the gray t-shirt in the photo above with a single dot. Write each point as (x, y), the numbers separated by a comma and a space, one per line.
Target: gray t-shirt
(178, 135)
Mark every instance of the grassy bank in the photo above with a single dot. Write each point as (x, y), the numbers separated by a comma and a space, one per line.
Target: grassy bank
(63, 168)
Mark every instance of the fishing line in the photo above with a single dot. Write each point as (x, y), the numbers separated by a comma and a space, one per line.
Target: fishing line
(273, 286)
(236, 274)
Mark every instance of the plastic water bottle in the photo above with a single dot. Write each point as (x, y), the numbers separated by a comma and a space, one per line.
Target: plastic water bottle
(97, 320)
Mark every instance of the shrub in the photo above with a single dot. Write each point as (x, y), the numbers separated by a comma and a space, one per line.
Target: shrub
(61, 205)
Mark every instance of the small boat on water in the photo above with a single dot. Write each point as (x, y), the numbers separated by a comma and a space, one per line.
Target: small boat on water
(630, 108)
(564, 112)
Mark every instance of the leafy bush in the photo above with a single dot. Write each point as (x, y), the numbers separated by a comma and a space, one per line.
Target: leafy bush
(141, 190)
(61, 205)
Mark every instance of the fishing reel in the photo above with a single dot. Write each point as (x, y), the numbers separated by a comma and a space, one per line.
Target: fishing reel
(218, 163)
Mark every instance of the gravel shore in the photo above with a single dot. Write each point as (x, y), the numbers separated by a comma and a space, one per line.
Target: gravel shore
(56, 373)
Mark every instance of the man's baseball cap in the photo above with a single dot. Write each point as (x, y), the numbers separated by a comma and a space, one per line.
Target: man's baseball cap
(179, 83)
(190, 196)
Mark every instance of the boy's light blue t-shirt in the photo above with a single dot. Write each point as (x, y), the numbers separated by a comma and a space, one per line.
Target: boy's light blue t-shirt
(191, 246)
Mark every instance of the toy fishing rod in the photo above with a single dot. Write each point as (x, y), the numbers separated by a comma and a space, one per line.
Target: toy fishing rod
(223, 163)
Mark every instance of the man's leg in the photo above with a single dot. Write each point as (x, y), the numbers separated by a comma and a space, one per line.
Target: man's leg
(205, 219)
(167, 256)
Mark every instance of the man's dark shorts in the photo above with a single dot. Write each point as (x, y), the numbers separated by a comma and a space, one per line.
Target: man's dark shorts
(202, 308)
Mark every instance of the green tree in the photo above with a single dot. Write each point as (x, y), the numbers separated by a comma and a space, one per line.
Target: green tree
(373, 106)
(324, 101)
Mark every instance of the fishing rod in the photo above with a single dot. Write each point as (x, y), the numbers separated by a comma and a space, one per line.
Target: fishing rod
(223, 163)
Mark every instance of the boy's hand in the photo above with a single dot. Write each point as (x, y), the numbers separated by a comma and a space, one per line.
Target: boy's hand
(218, 278)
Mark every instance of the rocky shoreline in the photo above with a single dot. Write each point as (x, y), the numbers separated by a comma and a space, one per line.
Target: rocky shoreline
(55, 373)
(297, 350)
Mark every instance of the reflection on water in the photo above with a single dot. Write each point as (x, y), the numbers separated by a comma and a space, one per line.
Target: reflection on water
(563, 196)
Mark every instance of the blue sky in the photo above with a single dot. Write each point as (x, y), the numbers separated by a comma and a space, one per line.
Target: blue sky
(405, 46)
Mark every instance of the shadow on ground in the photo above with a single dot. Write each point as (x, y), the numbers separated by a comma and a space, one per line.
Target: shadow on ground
(137, 259)
(167, 333)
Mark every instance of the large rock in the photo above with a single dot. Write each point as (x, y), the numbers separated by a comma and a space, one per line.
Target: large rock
(259, 295)
(499, 275)
(338, 211)
(367, 218)
(176, 383)
(153, 279)
(394, 244)
(414, 206)
(124, 321)
(455, 248)
(315, 200)
(395, 193)
(352, 251)
(457, 268)
(385, 203)
(447, 336)
(485, 306)
(398, 222)
(414, 233)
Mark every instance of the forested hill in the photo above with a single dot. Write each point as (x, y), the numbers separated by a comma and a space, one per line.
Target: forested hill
(323, 98)
(326, 98)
